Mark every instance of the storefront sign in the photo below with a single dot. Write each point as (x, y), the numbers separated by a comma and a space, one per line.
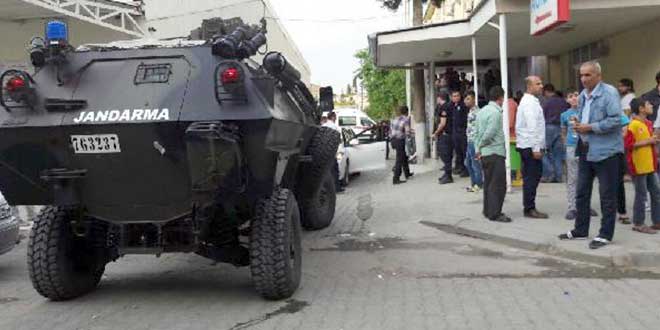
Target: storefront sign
(548, 14)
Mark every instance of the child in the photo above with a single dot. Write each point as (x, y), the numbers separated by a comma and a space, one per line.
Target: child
(570, 137)
(642, 164)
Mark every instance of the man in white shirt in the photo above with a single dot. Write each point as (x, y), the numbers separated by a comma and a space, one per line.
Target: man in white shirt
(330, 123)
(627, 91)
(530, 142)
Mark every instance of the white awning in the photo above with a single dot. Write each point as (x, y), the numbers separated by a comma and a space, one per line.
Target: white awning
(591, 20)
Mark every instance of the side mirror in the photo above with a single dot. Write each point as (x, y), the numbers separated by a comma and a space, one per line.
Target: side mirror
(326, 99)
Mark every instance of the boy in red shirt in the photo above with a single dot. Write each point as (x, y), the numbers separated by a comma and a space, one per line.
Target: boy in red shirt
(642, 162)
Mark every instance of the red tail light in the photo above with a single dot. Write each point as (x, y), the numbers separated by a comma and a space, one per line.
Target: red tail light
(230, 76)
(15, 83)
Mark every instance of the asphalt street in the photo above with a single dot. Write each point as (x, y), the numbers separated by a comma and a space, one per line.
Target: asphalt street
(388, 272)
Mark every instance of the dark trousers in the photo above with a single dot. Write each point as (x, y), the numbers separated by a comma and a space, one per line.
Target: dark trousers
(608, 173)
(621, 194)
(460, 147)
(494, 185)
(446, 152)
(401, 165)
(532, 169)
(335, 172)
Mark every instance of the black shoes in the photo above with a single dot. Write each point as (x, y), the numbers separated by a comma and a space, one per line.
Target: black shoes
(535, 214)
(445, 180)
(501, 218)
(569, 236)
(409, 175)
(396, 181)
(598, 243)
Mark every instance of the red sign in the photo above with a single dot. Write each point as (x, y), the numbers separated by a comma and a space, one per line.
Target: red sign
(548, 14)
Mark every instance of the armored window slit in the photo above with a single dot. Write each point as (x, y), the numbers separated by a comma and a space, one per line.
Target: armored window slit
(153, 74)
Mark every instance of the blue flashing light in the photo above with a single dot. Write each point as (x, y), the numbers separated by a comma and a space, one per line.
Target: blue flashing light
(57, 31)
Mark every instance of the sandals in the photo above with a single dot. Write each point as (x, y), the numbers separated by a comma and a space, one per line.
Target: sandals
(624, 219)
(644, 229)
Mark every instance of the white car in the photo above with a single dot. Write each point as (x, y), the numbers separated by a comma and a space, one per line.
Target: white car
(355, 155)
(357, 121)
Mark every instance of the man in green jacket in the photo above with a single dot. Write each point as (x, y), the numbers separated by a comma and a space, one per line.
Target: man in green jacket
(489, 145)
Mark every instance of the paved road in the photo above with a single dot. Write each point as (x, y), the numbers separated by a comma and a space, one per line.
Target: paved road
(390, 272)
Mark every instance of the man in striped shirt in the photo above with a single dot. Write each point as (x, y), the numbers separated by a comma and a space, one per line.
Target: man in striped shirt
(400, 129)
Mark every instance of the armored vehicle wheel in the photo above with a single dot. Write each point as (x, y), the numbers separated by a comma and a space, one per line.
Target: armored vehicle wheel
(323, 149)
(275, 247)
(62, 266)
(318, 209)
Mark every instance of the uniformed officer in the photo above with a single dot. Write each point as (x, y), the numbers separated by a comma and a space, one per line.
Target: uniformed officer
(445, 145)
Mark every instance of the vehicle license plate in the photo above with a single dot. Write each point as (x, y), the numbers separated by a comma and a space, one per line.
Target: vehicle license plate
(95, 144)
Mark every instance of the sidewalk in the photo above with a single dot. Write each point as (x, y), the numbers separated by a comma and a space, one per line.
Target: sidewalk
(450, 208)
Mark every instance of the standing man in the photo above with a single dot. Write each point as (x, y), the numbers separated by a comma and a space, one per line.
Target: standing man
(398, 133)
(553, 160)
(653, 96)
(600, 146)
(445, 145)
(471, 162)
(530, 142)
(489, 142)
(459, 132)
(627, 91)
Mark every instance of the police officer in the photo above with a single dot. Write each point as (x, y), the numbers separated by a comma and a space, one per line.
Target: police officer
(459, 132)
(443, 134)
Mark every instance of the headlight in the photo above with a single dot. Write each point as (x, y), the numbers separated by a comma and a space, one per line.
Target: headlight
(340, 156)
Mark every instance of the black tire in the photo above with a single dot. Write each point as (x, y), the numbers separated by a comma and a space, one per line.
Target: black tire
(62, 266)
(323, 149)
(275, 246)
(318, 208)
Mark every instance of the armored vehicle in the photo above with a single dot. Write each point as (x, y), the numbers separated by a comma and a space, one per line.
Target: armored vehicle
(150, 147)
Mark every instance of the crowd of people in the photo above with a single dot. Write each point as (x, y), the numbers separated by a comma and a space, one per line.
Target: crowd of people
(602, 132)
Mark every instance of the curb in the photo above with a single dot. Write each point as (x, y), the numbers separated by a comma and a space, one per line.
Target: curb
(620, 257)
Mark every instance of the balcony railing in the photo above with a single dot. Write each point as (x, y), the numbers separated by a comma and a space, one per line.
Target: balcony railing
(450, 10)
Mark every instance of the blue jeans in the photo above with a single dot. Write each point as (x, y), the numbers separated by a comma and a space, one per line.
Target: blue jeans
(473, 166)
(645, 185)
(553, 160)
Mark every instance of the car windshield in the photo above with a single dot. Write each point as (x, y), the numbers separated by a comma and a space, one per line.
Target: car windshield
(366, 122)
(347, 121)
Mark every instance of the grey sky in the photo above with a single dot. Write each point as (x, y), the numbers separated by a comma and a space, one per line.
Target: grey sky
(327, 44)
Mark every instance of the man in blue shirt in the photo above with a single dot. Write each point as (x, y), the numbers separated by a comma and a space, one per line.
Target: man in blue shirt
(600, 145)
(553, 159)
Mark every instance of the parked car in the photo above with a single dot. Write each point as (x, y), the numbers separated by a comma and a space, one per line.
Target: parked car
(355, 155)
(8, 227)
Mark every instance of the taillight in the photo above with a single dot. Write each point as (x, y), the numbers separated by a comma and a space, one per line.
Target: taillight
(15, 83)
(230, 76)
(230, 80)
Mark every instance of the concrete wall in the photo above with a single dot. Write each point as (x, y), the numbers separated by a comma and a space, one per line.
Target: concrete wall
(634, 54)
(16, 36)
(176, 18)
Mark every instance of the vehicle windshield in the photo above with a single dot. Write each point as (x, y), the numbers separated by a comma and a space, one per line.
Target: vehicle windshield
(347, 120)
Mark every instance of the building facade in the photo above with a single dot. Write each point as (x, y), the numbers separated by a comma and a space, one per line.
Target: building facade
(103, 21)
(623, 54)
